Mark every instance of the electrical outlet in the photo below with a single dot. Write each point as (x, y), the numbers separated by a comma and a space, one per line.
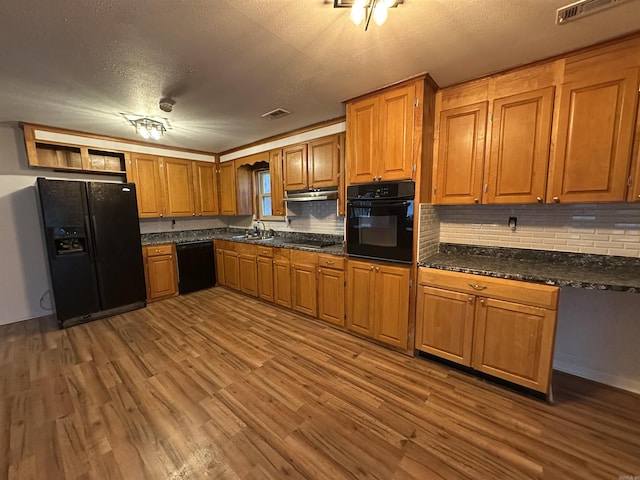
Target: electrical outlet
(513, 223)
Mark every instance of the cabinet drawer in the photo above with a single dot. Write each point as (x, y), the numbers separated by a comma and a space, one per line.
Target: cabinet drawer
(155, 250)
(331, 261)
(245, 248)
(265, 251)
(300, 257)
(282, 254)
(512, 290)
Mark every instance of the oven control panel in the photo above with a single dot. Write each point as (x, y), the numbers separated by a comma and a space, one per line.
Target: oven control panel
(382, 190)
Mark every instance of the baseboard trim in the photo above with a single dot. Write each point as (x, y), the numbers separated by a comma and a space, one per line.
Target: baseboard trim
(623, 383)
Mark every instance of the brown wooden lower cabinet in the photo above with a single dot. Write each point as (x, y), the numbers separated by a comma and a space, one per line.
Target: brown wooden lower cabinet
(331, 286)
(248, 266)
(504, 328)
(282, 278)
(304, 286)
(378, 301)
(160, 271)
(220, 280)
(231, 269)
(265, 276)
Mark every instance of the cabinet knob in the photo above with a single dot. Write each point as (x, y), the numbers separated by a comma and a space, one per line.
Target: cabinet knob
(374, 178)
(377, 269)
(539, 199)
(476, 200)
(379, 178)
(371, 267)
(556, 199)
(482, 302)
(319, 270)
(470, 299)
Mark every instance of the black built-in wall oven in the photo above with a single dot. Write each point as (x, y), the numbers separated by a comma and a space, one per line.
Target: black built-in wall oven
(380, 221)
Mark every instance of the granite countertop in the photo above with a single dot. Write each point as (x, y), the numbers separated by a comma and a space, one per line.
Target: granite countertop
(596, 272)
(186, 236)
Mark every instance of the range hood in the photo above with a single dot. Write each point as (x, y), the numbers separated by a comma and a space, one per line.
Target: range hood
(311, 195)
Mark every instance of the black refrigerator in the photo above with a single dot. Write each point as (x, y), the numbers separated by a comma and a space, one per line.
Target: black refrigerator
(93, 244)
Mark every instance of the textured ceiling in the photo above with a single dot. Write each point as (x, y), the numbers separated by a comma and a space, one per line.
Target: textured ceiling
(83, 64)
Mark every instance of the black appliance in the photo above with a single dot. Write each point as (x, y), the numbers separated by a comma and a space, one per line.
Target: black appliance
(380, 221)
(196, 268)
(93, 242)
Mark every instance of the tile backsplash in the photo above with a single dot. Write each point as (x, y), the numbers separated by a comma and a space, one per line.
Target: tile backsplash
(603, 229)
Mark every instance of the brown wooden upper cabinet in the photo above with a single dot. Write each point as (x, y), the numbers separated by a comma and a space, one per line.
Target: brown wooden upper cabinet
(381, 135)
(277, 183)
(173, 187)
(557, 132)
(492, 139)
(227, 178)
(594, 140)
(314, 164)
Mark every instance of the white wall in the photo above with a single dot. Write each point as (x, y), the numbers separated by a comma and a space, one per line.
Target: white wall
(24, 281)
(597, 331)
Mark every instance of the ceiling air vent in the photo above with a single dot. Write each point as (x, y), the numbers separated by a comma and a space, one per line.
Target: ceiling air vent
(277, 113)
(579, 9)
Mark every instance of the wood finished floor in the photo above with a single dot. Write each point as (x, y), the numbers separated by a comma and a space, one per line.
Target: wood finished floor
(217, 385)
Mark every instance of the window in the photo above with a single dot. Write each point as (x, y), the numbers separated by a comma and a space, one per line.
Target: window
(263, 182)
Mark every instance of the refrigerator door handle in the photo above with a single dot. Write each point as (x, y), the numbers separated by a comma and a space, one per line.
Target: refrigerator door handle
(94, 234)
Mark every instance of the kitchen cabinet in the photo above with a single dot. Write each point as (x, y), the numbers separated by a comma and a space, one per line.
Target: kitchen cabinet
(45, 151)
(378, 301)
(381, 135)
(493, 137)
(178, 187)
(277, 183)
(504, 328)
(304, 282)
(228, 188)
(594, 137)
(314, 164)
(230, 265)
(205, 182)
(145, 173)
(282, 277)
(219, 259)
(331, 289)
(248, 268)
(160, 271)
(265, 274)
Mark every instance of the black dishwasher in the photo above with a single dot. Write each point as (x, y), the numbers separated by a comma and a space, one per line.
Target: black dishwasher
(196, 268)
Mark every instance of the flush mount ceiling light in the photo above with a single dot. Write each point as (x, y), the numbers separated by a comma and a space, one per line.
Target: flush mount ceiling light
(149, 128)
(365, 10)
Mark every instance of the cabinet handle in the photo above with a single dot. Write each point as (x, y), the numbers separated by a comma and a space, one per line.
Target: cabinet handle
(486, 188)
(319, 270)
(476, 200)
(556, 200)
(475, 286)
(379, 178)
(482, 302)
(374, 178)
(470, 299)
(539, 199)
(377, 269)
(371, 267)
(329, 262)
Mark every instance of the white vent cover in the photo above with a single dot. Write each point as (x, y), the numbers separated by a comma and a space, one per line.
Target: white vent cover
(277, 113)
(579, 9)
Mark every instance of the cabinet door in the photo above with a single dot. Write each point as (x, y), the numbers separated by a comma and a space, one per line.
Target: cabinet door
(178, 187)
(594, 138)
(162, 276)
(514, 342)
(205, 188)
(282, 282)
(362, 140)
(461, 154)
(277, 183)
(248, 274)
(396, 117)
(516, 170)
(146, 175)
(331, 296)
(324, 162)
(444, 324)
(265, 278)
(231, 270)
(294, 165)
(360, 293)
(391, 305)
(220, 280)
(228, 188)
(304, 286)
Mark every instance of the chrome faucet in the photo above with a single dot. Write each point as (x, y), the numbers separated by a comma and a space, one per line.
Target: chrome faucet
(264, 228)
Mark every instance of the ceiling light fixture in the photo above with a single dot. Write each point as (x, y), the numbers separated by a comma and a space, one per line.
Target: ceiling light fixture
(365, 10)
(149, 128)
